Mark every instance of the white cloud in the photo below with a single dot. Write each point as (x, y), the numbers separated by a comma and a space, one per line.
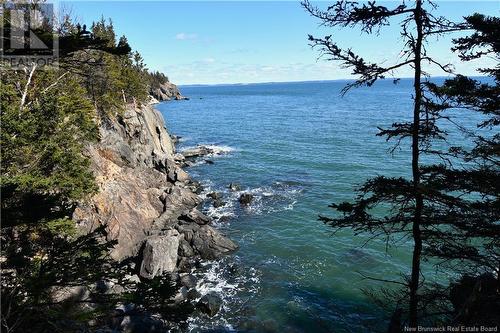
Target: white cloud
(185, 36)
(208, 60)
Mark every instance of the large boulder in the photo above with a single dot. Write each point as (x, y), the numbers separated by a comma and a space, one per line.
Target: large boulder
(129, 319)
(160, 254)
(218, 203)
(210, 243)
(194, 215)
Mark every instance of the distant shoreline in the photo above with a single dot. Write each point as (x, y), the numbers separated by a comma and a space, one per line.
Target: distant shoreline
(297, 82)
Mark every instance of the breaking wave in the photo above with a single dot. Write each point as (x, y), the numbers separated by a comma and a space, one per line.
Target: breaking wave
(226, 278)
(276, 197)
(215, 150)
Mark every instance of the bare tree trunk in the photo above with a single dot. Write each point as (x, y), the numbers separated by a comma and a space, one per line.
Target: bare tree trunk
(26, 88)
(417, 219)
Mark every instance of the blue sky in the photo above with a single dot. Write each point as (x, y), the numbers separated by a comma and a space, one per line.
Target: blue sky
(211, 42)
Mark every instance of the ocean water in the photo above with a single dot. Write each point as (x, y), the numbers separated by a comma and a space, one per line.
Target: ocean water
(297, 147)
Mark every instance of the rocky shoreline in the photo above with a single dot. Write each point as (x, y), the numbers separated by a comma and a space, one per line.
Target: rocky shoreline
(149, 206)
(165, 92)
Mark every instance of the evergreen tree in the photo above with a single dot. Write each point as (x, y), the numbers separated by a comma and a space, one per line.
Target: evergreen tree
(467, 185)
(413, 207)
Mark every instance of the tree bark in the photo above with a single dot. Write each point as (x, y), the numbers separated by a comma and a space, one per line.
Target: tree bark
(26, 87)
(417, 219)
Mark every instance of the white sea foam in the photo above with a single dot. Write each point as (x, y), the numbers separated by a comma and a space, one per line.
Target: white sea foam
(273, 198)
(220, 150)
(223, 279)
(266, 199)
(216, 150)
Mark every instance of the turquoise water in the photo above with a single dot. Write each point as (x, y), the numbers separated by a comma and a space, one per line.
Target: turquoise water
(297, 147)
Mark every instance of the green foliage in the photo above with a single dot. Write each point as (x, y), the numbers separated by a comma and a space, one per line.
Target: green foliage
(469, 183)
(156, 79)
(104, 31)
(42, 140)
(48, 117)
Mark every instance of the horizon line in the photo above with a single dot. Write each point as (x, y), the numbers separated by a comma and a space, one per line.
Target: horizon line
(297, 81)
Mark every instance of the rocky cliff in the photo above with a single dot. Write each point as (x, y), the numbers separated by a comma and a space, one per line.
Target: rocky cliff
(146, 201)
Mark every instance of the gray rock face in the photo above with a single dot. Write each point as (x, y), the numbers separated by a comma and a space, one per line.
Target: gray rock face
(185, 249)
(160, 254)
(145, 199)
(129, 165)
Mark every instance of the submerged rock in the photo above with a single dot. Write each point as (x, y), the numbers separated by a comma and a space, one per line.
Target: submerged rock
(218, 203)
(217, 199)
(193, 294)
(245, 198)
(235, 187)
(214, 195)
(210, 304)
